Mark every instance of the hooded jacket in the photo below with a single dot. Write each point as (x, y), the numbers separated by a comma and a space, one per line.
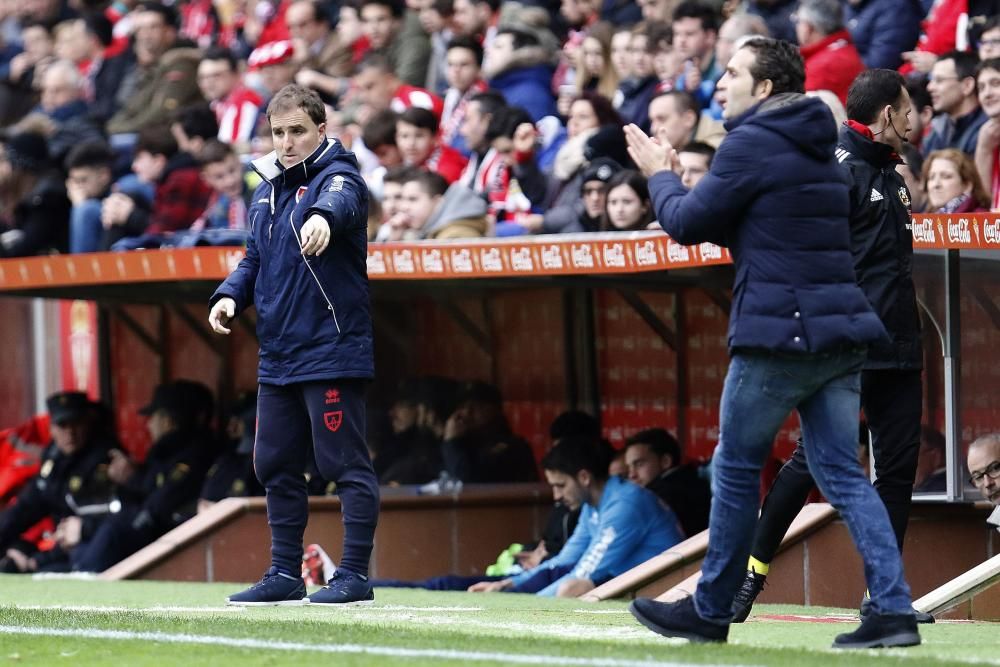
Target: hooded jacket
(313, 314)
(884, 29)
(786, 227)
(526, 82)
(461, 215)
(882, 245)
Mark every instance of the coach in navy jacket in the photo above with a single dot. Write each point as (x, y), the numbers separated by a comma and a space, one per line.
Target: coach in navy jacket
(798, 330)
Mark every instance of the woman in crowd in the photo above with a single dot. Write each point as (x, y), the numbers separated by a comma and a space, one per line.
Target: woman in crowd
(627, 206)
(953, 184)
(594, 69)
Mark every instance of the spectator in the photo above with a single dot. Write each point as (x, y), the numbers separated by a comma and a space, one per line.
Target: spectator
(436, 20)
(62, 103)
(464, 76)
(438, 211)
(696, 28)
(883, 30)
(17, 94)
(519, 66)
(588, 113)
(324, 59)
(734, 28)
(477, 19)
(418, 144)
(34, 209)
(678, 116)
(627, 206)
(777, 15)
(378, 89)
(159, 494)
(952, 88)
(275, 62)
(638, 89)
(479, 446)
(911, 169)
(589, 208)
(517, 187)
(952, 183)
(668, 63)
(695, 160)
(932, 465)
(923, 111)
(621, 524)
(392, 193)
(989, 41)
(105, 70)
(621, 12)
(89, 168)
(418, 419)
(379, 136)
(73, 474)
(164, 79)
(939, 35)
(180, 194)
(235, 106)
(192, 127)
(594, 68)
(621, 57)
(654, 458)
(403, 42)
(988, 142)
(831, 60)
(656, 11)
(229, 201)
(984, 467)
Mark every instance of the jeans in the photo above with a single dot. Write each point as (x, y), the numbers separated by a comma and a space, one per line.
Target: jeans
(761, 388)
(85, 229)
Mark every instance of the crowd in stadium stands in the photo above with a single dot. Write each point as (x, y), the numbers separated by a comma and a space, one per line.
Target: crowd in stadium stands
(133, 125)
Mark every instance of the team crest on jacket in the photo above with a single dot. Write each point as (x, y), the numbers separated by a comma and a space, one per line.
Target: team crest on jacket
(298, 193)
(337, 184)
(333, 419)
(904, 197)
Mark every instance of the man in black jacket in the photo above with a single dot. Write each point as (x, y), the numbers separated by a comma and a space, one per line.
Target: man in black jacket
(878, 107)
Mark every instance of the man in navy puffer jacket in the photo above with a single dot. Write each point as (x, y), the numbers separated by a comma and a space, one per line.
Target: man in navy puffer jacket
(304, 271)
(798, 330)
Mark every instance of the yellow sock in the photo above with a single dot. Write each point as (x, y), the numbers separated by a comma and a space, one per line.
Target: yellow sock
(755, 565)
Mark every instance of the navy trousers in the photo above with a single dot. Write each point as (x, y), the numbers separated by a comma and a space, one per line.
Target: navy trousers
(331, 415)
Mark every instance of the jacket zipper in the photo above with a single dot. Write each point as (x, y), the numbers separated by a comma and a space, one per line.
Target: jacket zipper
(329, 303)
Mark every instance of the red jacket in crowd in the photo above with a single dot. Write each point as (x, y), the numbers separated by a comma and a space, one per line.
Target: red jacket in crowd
(832, 64)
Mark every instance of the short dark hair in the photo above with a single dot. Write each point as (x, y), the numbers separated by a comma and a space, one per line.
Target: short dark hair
(100, 26)
(166, 12)
(433, 183)
(197, 120)
(693, 9)
(521, 38)
(505, 121)
(221, 53)
(215, 151)
(90, 154)
(699, 148)
(579, 452)
(489, 101)
(468, 43)
(294, 96)
(921, 99)
(380, 130)
(659, 441)
(394, 6)
(871, 92)
(419, 117)
(319, 13)
(603, 108)
(400, 174)
(376, 61)
(965, 63)
(989, 63)
(683, 101)
(778, 61)
(574, 422)
(156, 140)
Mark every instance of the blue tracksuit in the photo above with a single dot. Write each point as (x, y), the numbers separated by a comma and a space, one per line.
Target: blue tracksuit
(315, 332)
(628, 527)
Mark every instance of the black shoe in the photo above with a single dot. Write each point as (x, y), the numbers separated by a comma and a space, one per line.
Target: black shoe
(881, 631)
(345, 589)
(677, 619)
(745, 597)
(275, 588)
(866, 607)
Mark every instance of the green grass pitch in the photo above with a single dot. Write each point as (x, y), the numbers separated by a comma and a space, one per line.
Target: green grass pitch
(69, 622)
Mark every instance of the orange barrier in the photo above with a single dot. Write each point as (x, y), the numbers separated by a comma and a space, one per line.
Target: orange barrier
(575, 254)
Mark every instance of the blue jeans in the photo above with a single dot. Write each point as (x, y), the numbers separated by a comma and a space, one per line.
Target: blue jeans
(85, 229)
(761, 389)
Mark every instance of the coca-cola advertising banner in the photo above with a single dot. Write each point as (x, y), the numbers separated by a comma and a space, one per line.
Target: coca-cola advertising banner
(78, 341)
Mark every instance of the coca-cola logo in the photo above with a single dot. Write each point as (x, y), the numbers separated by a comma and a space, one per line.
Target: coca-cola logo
(614, 255)
(709, 251)
(551, 257)
(461, 261)
(645, 253)
(991, 231)
(490, 260)
(376, 262)
(959, 232)
(432, 261)
(402, 260)
(923, 230)
(677, 253)
(582, 256)
(520, 259)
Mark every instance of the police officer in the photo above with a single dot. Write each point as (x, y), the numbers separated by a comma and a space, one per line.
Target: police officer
(231, 474)
(304, 271)
(72, 487)
(160, 493)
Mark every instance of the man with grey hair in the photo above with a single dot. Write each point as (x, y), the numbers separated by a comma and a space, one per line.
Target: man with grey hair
(62, 102)
(732, 30)
(983, 462)
(832, 61)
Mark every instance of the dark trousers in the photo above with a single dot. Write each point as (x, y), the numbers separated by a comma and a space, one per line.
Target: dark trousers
(116, 539)
(892, 401)
(331, 415)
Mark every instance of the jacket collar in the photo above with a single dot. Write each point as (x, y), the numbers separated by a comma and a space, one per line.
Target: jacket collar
(828, 41)
(270, 169)
(859, 139)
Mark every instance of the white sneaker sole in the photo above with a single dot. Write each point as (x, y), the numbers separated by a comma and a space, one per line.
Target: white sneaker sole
(358, 603)
(283, 603)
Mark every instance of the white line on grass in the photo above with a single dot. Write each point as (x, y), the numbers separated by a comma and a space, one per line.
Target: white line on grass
(67, 607)
(388, 651)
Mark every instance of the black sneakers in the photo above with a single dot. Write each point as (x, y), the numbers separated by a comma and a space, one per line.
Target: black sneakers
(276, 588)
(345, 589)
(881, 631)
(866, 608)
(677, 619)
(745, 597)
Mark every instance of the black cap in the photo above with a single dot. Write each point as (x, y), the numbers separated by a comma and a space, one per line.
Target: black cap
(27, 151)
(609, 142)
(68, 406)
(170, 397)
(601, 169)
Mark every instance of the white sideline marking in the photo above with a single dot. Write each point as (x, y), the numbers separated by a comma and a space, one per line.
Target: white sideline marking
(601, 611)
(389, 651)
(69, 607)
